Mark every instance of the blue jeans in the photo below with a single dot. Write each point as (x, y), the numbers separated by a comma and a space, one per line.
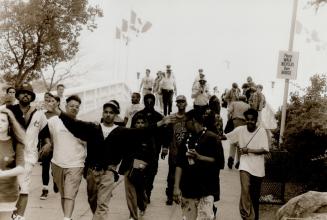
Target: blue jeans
(100, 185)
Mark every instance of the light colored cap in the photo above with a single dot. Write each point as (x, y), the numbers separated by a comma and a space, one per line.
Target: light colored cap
(180, 97)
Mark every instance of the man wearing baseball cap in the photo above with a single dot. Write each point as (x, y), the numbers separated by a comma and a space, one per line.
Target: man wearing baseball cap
(34, 121)
(178, 131)
(106, 146)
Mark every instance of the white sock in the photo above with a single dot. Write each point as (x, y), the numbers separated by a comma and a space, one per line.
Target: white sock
(66, 218)
(45, 187)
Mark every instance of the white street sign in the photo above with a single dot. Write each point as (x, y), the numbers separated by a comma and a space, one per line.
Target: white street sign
(287, 65)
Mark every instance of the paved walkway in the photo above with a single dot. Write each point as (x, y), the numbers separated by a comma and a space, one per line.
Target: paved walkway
(50, 209)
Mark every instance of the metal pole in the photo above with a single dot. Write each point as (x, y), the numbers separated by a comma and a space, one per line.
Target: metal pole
(287, 81)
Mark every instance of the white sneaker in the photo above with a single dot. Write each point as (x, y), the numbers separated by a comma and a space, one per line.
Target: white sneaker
(17, 217)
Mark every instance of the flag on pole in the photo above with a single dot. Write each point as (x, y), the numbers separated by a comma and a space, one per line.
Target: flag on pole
(314, 36)
(146, 26)
(133, 28)
(133, 17)
(118, 33)
(124, 26)
(298, 27)
(139, 20)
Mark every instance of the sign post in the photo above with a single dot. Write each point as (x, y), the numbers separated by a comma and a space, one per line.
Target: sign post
(286, 73)
(287, 65)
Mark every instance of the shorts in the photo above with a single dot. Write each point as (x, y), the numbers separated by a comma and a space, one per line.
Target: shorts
(7, 206)
(24, 179)
(67, 180)
(199, 208)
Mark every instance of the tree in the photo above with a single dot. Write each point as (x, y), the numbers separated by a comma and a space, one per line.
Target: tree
(305, 135)
(317, 3)
(38, 33)
(51, 78)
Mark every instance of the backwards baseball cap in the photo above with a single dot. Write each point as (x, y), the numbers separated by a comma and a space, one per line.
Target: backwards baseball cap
(113, 104)
(180, 98)
(27, 88)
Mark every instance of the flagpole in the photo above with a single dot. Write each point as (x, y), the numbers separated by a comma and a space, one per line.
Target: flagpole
(287, 81)
(114, 58)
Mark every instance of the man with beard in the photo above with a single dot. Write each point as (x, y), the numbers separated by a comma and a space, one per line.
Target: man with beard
(253, 144)
(33, 121)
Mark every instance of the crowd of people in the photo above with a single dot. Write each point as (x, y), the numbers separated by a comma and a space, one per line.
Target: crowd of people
(102, 152)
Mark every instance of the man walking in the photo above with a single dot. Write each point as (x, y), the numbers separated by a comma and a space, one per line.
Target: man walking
(106, 145)
(201, 94)
(147, 83)
(153, 117)
(132, 109)
(236, 112)
(69, 155)
(197, 173)
(33, 121)
(167, 87)
(178, 130)
(253, 144)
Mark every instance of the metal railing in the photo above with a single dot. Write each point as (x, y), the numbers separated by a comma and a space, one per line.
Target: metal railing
(93, 96)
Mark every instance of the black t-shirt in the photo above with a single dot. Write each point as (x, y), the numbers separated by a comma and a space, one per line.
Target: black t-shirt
(202, 178)
(20, 116)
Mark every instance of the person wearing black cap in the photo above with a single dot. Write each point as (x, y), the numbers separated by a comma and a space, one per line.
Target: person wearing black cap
(34, 121)
(106, 145)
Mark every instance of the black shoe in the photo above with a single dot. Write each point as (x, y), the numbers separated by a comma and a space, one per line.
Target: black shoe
(169, 202)
(214, 210)
(230, 162)
(44, 194)
(237, 165)
(55, 187)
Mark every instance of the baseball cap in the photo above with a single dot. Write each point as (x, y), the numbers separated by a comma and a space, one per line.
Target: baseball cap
(180, 98)
(113, 104)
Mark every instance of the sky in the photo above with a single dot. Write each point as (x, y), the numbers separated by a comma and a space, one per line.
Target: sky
(228, 39)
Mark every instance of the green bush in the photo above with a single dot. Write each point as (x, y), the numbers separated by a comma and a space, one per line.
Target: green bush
(305, 135)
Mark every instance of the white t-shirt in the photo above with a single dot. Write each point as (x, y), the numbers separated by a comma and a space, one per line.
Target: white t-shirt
(167, 83)
(107, 130)
(68, 151)
(147, 82)
(252, 163)
(37, 123)
(131, 111)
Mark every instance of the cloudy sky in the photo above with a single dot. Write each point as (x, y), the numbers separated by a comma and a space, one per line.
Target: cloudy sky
(229, 39)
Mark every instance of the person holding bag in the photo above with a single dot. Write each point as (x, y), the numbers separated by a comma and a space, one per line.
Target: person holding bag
(133, 167)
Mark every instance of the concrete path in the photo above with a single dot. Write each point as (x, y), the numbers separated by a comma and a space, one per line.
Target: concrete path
(50, 209)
